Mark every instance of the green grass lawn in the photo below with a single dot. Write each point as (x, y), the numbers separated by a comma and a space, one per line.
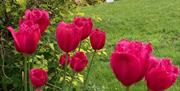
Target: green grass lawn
(156, 21)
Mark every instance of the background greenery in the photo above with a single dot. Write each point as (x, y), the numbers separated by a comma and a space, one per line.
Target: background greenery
(156, 21)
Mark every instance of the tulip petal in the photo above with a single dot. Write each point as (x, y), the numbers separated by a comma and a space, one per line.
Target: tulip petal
(16, 39)
(125, 67)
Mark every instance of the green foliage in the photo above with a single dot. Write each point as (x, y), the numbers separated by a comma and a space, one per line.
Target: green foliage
(58, 9)
(93, 2)
(88, 2)
(47, 54)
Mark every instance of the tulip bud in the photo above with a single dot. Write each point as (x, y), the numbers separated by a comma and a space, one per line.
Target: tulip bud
(79, 61)
(68, 36)
(38, 77)
(97, 39)
(85, 26)
(62, 60)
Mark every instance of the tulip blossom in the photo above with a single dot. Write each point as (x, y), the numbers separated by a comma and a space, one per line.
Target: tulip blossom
(27, 38)
(129, 61)
(62, 60)
(162, 76)
(68, 36)
(153, 62)
(79, 61)
(97, 39)
(85, 25)
(38, 16)
(38, 77)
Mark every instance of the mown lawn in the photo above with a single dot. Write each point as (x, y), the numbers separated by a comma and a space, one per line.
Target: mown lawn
(156, 21)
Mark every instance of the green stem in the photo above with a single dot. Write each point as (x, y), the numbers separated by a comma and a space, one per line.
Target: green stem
(64, 77)
(25, 74)
(2, 57)
(29, 68)
(88, 71)
(71, 83)
(127, 88)
(79, 47)
(4, 85)
(54, 86)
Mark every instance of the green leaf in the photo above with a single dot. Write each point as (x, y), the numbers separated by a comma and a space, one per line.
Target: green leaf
(51, 45)
(22, 3)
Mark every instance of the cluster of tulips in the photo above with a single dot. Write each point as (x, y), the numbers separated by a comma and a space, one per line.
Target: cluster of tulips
(68, 35)
(131, 61)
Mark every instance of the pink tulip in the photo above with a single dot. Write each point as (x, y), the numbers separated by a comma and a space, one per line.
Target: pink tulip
(85, 25)
(79, 61)
(162, 76)
(41, 17)
(38, 77)
(153, 62)
(68, 36)
(27, 38)
(129, 61)
(62, 60)
(97, 39)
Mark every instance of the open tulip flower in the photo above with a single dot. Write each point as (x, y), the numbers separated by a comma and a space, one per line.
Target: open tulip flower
(162, 76)
(153, 62)
(97, 39)
(38, 77)
(38, 16)
(79, 61)
(129, 61)
(68, 36)
(85, 25)
(27, 38)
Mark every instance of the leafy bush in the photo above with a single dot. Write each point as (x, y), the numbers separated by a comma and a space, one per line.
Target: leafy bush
(11, 61)
(93, 2)
(88, 2)
(47, 55)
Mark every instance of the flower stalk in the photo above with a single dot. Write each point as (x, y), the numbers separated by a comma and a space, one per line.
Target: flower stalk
(79, 46)
(29, 68)
(25, 74)
(2, 57)
(65, 68)
(88, 70)
(71, 83)
(54, 86)
(127, 88)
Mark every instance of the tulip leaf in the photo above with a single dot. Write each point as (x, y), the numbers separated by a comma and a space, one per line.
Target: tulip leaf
(51, 45)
